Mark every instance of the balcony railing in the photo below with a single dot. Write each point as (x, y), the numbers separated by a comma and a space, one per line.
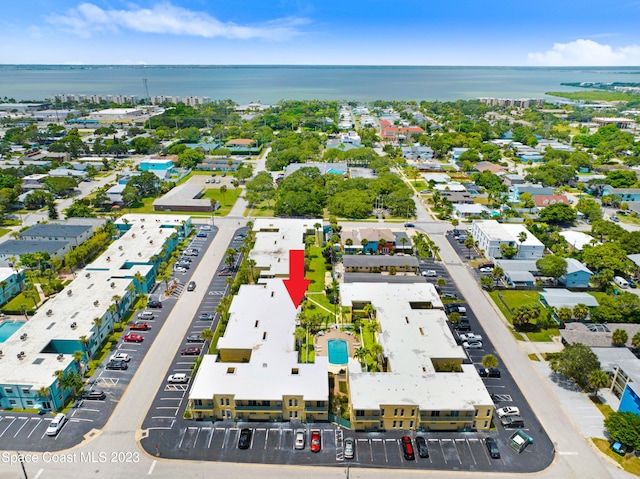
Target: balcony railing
(316, 409)
(446, 419)
(367, 418)
(258, 408)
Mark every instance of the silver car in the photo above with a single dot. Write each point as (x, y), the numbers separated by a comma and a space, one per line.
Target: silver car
(349, 448)
(300, 439)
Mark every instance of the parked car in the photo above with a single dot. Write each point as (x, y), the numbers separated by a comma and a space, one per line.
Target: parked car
(116, 365)
(244, 441)
(455, 308)
(184, 259)
(462, 326)
(509, 422)
(449, 296)
(225, 272)
(191, 286)
(316, 441)
(205, 228)
(178, 378)
(56, 424)
(201, 234)
(508, 411)
(429, 273)
(183, 264)
(632, 283)
(486, 265)
(409, 225)
(486, 270)
(472, 345)
(407, 448)
(349, 448)
(492, 447)
(139, 326)
(207, 180)
(120, 357)
(146, 315)
(179, 269)
(489, 372)
(154, 304)
(132, 338)
(470, 337)
(421, 446)
(205, 317)
(190, 351)
(300, 439)
(195, 338)
(94, 395)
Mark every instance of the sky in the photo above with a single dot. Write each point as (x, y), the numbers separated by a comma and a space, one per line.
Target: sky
(322, 32)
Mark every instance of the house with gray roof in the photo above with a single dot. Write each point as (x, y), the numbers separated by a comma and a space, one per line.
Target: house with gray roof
(625, 194)
(577, 275)
(15, 248)
(74, 234)
(563, 298)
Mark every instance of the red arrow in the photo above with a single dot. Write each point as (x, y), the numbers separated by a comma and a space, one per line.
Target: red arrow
(296, 284)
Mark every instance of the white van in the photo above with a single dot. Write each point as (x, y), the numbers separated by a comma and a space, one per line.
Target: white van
(620, 281)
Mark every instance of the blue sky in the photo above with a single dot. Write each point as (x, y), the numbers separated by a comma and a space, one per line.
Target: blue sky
(328, 32)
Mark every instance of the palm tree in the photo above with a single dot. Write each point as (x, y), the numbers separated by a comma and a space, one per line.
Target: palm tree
(252, 264)
(619, 337)
(564, 314)
(299, 334)
(369, 310)
(580, 312)
(404, 241)
(113, 310)
(361, 355)
(382, 243)
(469, 243)
(77, 357)
(3, 286)
(230, 257)
(207, 334)
(97, 322)
(84, 340)
(139, 278)
(441, 282)
(455, 318)
(522, 237)
(489, 361)
(497, 273)
(223, 192)
(376, 351)
(44, 393)
(635, 341)
(598, 379)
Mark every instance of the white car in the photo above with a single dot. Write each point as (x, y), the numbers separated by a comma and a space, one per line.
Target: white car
(146, 315)
(178, 378)
(471, 337)
(300, 439)
(349, 448)
(180, 269)
(56, 424)
(430, 273)
(472, 345)
(120, 357)
(486, 270)
(508, 411)
(205, 228)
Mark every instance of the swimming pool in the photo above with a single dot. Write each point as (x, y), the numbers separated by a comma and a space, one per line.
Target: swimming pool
(338, 351)
(7, 328)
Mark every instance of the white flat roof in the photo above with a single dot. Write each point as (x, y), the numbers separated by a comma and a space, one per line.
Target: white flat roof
(411, 337)
(88, 296)
(262, 319)
(506, 232)
(577, 239)
(274, 239)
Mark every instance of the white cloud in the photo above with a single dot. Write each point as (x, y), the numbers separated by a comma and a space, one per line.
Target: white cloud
(583, 52)
(166, 18)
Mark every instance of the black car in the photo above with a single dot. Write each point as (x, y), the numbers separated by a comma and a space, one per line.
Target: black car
(117, 365)
(154, 304)
(421, 446)
(191, 286)
(244, 441)
(489, 372)
(95, 395)
(407, 448)
(492, 446)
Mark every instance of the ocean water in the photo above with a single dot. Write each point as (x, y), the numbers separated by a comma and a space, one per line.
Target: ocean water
(270, 84)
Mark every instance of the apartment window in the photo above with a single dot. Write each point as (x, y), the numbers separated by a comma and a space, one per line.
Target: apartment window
(413, 412)
(226, 401)
(26, 391)
(295, 371)
(476, 412)
(197, 402)
(382, 412)
(252, 403)
(293, 414)
(8, 390)
(395, 412)
(410, 424)
(435, 413)
(486, 423)
(401, 424)
(402, 412)
(381, 424)
(221, 401)
(394, 423)
(488, 412)
(455, 413)
(12, 402)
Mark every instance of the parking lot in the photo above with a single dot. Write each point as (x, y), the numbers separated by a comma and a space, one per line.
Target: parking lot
(27, 430)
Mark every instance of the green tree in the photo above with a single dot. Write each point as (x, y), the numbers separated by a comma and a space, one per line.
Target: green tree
(619, 337)
(564, 314)
(469, 243)
(552, 265)
(598, 379)
(489, 361)
(487, 283)
(558, 213)
(624, 427)
(508, 251)
(526, 313)
(635, 341)
(576, 362)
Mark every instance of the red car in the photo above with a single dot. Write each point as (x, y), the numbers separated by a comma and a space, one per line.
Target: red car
(133, 338)
(191, 351)
(316, 441)
(139, 326)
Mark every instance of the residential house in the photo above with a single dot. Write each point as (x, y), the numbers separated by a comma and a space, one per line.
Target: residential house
(623, 368)
(417, 152)
(494, 168)
(357, 263)
(467, 210)
(438, 178)
(512, 180)
(577, 275)
(34, 182)
(578, 239)
(11, 283)
(518, 272)
(625, 194)
(542, 201)
(563, 298)
(15, 248)
(161, 167)
(458, 197)
(376, 240)
(74, 234)
(533, 190)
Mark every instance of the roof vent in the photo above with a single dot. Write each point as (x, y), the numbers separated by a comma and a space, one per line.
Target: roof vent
(23, 336)
(113, 285)
(74, 325)
(88, 275)
(69, 292)
(264, 365)
(60, 357)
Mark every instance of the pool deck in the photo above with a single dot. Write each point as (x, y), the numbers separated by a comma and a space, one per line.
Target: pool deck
(320, 341)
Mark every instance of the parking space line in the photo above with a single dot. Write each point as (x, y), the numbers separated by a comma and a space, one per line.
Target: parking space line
(470, 451)
(34, 428)
(163, 417)
(226, 436)
(25, 423)
(386, 457)
(13, 420)
(211, 433)
(252, 438)
(170, 399)
(442, 451)
(196, 439)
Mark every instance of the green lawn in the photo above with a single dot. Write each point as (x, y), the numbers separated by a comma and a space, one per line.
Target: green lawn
(316, 270)
(16, 303)
(4, 231)
(226, 202)
(630, 463)
(515, 299)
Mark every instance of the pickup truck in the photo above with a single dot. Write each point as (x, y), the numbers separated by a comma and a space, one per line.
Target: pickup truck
(139, 326)
(470, 337)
